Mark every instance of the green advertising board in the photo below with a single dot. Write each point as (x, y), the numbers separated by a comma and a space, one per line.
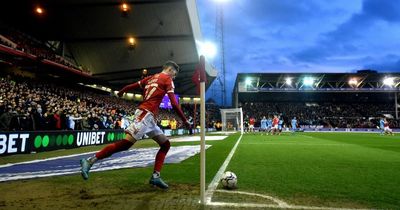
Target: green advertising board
(40, 141)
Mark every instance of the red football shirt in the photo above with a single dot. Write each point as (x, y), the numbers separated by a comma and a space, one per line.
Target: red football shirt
(252, 121)
(275, 121)
(154, 89)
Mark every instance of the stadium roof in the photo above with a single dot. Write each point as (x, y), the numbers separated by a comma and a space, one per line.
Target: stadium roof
(95, 34)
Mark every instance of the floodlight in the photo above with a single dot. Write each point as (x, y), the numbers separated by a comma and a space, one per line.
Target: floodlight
(353, 81)
(131, 40)
(131, 43)
(389, 81)
(308, 81)
(208, 49)
(124, 7)
(288, 81)
(39, 10)
(248, 82)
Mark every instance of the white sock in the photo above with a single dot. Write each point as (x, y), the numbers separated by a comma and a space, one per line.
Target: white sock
(92, 160)
(156, 174)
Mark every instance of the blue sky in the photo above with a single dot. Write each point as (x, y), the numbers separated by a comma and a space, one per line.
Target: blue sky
(304, 36)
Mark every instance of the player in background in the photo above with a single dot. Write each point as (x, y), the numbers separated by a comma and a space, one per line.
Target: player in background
(269, 125)
(275, 123)
(382, 125)
(263, 125)
(252, 121)
(246, 124)
(190, 120)
(294, 125)
(280, 125)
(387, 129)
(154, 89)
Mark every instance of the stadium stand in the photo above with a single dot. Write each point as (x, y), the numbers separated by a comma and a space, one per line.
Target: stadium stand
(27, 104)
(28, 44)
(44, 106)
(331, 100)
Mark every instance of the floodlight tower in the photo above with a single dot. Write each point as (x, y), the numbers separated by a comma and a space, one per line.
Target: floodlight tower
(219, 33)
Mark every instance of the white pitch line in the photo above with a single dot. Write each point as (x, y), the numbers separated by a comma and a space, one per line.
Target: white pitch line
(280, 204)
(214, 183)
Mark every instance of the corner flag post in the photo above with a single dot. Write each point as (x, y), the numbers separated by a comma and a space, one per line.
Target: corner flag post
(199, 78)
(203, 141)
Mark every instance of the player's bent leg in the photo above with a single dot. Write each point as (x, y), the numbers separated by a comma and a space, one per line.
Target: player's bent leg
(107, 151)
(165, 145)
(118, 146)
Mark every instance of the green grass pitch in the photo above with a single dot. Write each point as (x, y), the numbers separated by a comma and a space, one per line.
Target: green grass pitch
(351, 170)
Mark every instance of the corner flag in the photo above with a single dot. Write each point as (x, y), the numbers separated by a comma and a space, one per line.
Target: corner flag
(199, 74)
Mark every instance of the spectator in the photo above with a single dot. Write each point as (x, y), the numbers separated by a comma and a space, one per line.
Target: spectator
(5, 119)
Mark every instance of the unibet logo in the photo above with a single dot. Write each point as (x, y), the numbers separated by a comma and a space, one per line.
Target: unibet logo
(90, 138)
(13, 143)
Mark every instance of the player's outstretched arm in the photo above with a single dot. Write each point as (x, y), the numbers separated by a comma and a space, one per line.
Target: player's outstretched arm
(178, 109)
(128, 88)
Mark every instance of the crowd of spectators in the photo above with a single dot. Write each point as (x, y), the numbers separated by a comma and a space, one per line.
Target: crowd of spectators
(329, 115)
(42, 106)
(26, 104)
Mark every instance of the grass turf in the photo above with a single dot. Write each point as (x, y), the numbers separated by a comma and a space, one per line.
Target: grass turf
(319, 169)
(324, 169)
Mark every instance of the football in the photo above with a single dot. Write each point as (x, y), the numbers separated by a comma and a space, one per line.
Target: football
(229, 180)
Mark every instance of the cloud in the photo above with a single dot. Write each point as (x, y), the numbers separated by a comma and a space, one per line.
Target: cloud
(388, 63)
(354, 35)
(388, 10)
(287, 12)
(385, 66)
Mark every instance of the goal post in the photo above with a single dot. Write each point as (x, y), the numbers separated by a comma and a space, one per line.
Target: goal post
(232, 119)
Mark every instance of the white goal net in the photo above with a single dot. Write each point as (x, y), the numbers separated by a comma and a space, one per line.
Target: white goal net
(232, 119)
